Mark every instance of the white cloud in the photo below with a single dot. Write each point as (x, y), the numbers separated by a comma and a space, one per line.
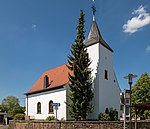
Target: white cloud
(148, 48)
(34, 27)
(141, 19)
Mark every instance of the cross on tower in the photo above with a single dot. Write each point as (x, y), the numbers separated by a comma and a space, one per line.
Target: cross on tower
(93, 9)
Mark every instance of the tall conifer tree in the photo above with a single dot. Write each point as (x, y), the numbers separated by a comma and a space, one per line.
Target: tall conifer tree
(81, 92)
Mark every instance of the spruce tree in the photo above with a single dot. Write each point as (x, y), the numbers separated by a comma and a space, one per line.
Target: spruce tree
(81, 92)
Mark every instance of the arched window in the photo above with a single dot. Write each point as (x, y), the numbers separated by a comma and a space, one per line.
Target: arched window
(51, 111)
(38, 108)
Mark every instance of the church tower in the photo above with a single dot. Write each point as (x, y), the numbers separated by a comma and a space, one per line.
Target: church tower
(105, 85)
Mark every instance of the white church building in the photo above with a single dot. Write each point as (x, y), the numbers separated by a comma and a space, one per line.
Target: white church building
(52, 86)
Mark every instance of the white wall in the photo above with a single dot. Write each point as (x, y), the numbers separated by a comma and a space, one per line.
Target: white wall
(106, 92)
(57, 96)
(94, 57)
(109, 89)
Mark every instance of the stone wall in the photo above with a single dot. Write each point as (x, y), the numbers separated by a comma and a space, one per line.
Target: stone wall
(75, 125)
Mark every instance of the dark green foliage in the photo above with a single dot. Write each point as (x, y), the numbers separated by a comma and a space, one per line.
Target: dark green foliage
(108, 115)
(141, 94)
(19, 117)
(50, 118)
(113, 114)
(104, 117)
(11, 105)
(80, 85)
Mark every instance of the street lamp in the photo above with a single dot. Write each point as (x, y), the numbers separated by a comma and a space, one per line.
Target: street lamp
(129, 77)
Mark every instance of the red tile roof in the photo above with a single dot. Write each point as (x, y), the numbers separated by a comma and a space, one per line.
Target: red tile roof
(57, 77)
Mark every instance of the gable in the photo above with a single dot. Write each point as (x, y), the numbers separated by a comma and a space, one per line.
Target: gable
(56, 77)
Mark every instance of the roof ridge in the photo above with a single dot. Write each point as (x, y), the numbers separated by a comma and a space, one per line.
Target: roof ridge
(55, 68)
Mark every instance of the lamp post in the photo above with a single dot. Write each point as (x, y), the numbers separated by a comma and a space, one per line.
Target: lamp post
(129, 77)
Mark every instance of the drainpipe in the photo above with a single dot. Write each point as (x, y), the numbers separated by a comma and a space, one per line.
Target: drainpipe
(124, 127)
(27, 105)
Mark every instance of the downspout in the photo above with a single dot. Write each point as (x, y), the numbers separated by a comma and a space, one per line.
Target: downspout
(27, 105)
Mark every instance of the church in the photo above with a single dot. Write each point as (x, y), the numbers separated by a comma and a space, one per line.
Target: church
(52, 88)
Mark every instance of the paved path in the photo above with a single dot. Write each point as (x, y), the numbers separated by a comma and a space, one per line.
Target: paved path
(4, 126)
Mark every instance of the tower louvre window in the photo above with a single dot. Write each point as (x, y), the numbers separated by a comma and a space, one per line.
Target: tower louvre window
(106, 75)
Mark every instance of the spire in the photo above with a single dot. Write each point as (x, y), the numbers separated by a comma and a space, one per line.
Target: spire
(94, 33)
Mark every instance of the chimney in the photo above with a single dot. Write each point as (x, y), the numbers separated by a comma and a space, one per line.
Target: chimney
(46, 81)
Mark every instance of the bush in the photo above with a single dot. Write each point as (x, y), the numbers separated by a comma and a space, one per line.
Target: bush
(50, 118)
(19, 117)
(104, 117)
(111, 115)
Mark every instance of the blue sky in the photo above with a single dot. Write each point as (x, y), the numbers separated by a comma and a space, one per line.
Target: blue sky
(36, 35)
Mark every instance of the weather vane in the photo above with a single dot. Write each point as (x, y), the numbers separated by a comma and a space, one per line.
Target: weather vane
(93, 9)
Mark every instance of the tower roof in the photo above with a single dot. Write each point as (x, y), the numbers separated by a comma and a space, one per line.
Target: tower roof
(95, 37)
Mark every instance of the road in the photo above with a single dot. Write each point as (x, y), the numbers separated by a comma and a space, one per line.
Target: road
(4, 126)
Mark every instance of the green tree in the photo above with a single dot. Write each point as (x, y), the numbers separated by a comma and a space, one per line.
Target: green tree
(1, 107)
(141, 94)
(10, 104)
(81, 92)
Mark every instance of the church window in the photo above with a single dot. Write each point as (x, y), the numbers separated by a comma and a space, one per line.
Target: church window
(51, 111)
(38, 108)
(106, 74)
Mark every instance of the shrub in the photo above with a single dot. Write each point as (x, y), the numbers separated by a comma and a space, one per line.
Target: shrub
(104, 117)
(109, 115)
(50, 118)
(113, 114)
(19, 117)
